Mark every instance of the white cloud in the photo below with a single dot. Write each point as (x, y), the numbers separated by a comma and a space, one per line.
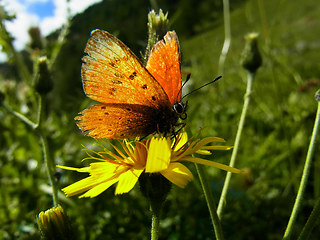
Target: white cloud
(24, 19)
(19, 26)
(35, 1)
(78, 6)
(49, 24)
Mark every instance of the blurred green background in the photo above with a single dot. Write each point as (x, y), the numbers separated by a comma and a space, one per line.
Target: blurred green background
(273, 146)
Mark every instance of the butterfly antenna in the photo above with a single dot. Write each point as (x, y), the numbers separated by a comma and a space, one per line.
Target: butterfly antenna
(187, 79)
(214, 80)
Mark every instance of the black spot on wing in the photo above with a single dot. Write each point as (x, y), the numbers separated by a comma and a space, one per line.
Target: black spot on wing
(133, 75)
(112, 64)
(117, 75)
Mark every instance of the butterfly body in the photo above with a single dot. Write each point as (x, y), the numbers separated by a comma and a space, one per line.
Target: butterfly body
(134, 100)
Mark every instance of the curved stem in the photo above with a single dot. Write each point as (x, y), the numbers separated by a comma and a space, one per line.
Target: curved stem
(304, 178)
(23, 118)
(236, 143)
(210, 202)
(227, 35)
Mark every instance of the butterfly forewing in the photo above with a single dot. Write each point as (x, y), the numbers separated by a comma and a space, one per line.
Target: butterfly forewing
(164, 65)
(111, 73)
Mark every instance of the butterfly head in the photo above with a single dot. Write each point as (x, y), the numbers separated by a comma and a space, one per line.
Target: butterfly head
(180, 109)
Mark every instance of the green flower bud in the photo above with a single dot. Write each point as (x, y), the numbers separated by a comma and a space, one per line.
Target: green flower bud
(43, 81)
(155, 188)
(251, 58)
(158, 25)
(54, 224)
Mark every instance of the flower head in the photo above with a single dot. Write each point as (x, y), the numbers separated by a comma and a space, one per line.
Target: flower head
(157, 155)
(54, 224)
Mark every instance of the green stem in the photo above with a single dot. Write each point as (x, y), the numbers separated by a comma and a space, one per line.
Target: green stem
(50, 167)
(39, 113)
(23, 118)
(236, 143)
(155, 226)
(210, 202)
(304, 178)
(61, 40)
(311, 223)
(227, 35)
(49, 162)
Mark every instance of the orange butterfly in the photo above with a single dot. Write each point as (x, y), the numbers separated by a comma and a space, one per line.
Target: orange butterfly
(134, 100)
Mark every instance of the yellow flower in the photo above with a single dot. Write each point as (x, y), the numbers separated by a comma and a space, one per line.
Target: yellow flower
(156, 155)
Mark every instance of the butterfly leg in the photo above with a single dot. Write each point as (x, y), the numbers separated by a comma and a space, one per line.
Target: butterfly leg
(175, 133)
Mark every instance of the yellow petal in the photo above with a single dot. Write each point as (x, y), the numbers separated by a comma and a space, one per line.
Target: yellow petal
(203, 152)
(211, 164)
(181, 139)
(106, 168)
(98, 176)
(159, 155)
(200, 145)
(79, 187)
(217, 147)
(127, 181)
(95, 191)
(178, 174)
(84, 169)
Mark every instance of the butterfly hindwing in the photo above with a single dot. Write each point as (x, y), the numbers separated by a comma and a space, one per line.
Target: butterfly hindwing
(117, 120)
(111, 73)
(164, 65)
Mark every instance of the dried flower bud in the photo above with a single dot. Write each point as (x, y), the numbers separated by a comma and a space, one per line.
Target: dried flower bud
(2, 96)
(43, 81)
(36, 39)
(251, 57)
(317, 96)
(54, 224)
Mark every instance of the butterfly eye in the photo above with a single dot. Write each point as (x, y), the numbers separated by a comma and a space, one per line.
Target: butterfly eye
(180, 109)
